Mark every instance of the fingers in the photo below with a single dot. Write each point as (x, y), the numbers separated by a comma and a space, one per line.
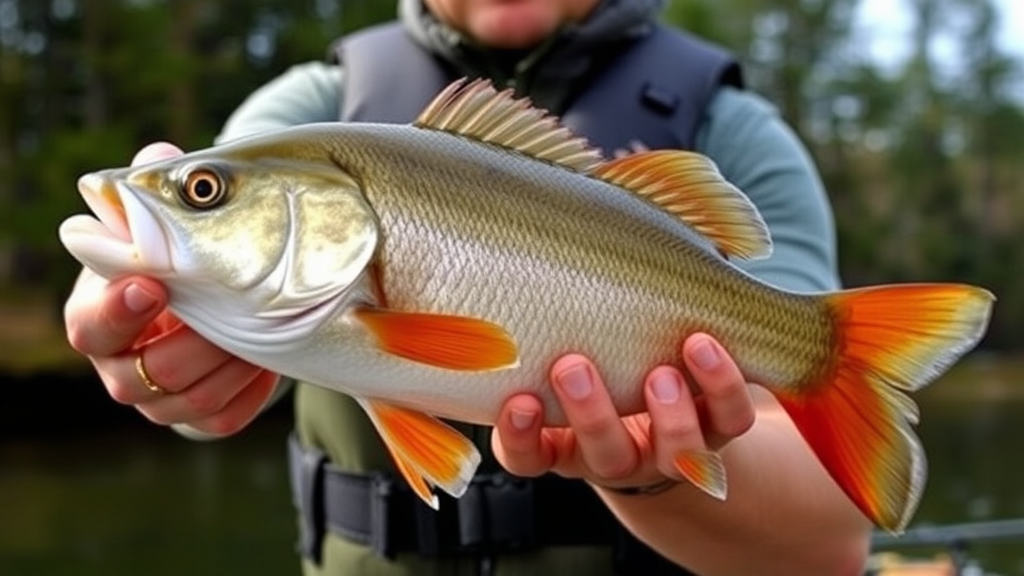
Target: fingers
(727, 402)
(174, 363)
(211, 390)
(207, 396)
(155, 151)
(202, 384)
(219, 405)
(671, 440)
(103, 319)
(596, 446)
(675, 425)
(518, 442)
(605, 448)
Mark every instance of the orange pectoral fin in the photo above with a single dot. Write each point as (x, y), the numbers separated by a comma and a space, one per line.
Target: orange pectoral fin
(452, 342)
(426, 451)
(705, 470)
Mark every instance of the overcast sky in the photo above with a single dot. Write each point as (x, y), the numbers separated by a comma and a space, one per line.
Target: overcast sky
(887, 25)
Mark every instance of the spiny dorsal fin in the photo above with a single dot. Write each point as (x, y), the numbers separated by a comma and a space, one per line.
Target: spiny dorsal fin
(476, 110)
(690, 186)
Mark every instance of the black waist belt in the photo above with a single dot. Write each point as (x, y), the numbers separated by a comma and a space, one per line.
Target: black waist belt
(499, 513)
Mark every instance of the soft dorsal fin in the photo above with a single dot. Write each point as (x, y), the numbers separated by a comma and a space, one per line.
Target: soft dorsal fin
(689, 186)
(477, 110)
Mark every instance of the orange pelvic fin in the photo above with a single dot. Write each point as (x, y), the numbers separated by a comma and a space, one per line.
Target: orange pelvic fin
(689, 186)
(705, 470)
(426, 451)
(856, 418)
(451, 342)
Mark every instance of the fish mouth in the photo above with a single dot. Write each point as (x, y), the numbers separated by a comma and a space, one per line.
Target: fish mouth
(123, 236)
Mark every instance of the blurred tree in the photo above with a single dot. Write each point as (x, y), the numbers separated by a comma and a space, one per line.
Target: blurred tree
(993, 131)
(790, 48)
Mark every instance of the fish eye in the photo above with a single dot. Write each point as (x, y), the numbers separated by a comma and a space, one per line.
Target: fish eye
(203, 188)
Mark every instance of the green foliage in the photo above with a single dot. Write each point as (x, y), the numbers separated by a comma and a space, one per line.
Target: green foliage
(923, 158)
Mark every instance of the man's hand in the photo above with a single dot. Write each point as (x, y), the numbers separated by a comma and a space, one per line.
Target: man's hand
(607, 450)
(126, 331)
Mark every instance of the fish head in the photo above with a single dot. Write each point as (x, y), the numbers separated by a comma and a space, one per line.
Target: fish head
(246, 238)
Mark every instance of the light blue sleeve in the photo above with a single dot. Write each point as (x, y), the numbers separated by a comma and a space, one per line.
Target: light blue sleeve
(305, 93)
(760, 154)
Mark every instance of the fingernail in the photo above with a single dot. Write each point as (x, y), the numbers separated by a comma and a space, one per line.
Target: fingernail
(138, 299)
(666, 387)
(576, 381)
(705, 355)
(522, 420)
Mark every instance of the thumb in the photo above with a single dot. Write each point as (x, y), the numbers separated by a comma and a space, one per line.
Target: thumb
(106, 318)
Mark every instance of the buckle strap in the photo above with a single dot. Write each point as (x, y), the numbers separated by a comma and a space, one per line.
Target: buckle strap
(494, 515)
(306, 469)
(499, 513)
(365, 510)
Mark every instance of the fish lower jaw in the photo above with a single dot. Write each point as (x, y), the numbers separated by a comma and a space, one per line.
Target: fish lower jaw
(100, 250)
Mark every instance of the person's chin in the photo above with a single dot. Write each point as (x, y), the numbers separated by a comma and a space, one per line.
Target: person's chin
(512, 27)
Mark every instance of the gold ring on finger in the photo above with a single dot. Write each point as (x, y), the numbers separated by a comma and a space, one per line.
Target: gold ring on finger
(147, 381)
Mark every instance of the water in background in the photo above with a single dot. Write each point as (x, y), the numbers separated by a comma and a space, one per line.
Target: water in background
(141, 500)
(131, 498)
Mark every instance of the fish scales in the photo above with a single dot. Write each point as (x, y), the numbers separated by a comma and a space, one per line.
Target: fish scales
(467, 226)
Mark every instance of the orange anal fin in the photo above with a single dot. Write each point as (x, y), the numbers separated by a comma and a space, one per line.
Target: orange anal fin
(705, 470)
(856, 417)
(416, 481)
(426, 451)
(689, 186)
(451, 342)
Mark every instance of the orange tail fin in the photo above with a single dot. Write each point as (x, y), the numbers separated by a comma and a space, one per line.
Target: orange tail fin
(889, 339)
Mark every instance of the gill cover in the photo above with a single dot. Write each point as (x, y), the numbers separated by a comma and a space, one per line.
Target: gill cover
(331, 237)
(293, 234)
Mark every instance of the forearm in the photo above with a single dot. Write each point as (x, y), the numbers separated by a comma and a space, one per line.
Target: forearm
(783, 514)
(305, 93)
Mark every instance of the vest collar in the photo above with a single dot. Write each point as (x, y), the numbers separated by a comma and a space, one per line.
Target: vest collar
(548, 72)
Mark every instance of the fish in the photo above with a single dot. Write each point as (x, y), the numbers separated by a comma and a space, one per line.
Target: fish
(431, 270)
